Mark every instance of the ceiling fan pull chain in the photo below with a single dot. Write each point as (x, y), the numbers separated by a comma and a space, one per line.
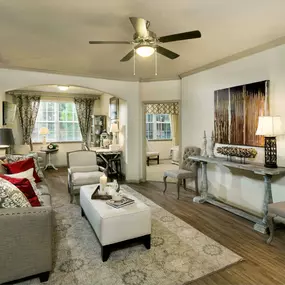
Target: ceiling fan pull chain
(134, 62)
(155, 62)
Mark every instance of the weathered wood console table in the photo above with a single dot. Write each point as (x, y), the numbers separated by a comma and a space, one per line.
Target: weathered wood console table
(267, 173)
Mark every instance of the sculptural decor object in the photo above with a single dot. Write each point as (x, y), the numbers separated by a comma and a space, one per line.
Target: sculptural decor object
(242, 153)
(236, 113)
(204, 145)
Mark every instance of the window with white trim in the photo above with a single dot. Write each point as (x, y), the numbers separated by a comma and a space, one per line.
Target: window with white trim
(158, 127)
(61, 120)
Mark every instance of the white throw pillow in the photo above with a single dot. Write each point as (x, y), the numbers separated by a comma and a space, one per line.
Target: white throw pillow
(25, 174)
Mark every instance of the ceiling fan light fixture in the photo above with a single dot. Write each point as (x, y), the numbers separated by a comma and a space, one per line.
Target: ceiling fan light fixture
(145, 51)
(62, 88)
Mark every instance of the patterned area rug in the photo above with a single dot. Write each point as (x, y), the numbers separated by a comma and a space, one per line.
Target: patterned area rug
(179, 253)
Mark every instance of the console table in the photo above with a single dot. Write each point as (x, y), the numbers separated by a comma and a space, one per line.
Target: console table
(267, 173)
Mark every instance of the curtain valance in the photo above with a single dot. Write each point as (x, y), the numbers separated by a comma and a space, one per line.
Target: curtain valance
(171, 108)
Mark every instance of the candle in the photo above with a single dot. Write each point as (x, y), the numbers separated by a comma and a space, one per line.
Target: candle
(103, 183)
(103, 180)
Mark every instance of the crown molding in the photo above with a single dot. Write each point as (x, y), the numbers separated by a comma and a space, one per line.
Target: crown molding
(4, 66)
(236, 56)
(51, 94)
(156, 79)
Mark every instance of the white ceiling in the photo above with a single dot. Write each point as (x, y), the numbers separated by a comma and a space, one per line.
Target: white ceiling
(71, 89)
(53, 35)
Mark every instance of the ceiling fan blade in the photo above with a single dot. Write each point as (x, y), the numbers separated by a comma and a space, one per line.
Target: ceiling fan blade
(180, 37)
(109, 42)
(140, 25)
(128, 56)
(166, 52)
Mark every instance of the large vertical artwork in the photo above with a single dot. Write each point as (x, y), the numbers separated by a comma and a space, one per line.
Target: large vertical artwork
(236, 113)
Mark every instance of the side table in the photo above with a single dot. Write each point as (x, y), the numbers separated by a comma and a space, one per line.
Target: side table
(48, 155)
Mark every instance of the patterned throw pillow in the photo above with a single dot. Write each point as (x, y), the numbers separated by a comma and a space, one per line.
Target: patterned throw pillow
(24, 185)
(11, 196)
(14, 157)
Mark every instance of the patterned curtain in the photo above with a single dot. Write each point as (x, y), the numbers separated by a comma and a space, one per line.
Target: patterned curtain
(28, 107)
(84, 109)
(174, 129)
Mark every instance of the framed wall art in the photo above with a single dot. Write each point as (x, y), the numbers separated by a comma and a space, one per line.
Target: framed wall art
(9, 113)
(236, 113)
(114, 109)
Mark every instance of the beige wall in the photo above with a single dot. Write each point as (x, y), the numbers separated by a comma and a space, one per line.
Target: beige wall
(163, 147)
(129, 91)
(240, 188)
(160, 91)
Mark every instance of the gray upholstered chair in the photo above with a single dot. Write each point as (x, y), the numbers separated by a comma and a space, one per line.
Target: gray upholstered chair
(188, 170)
(82, 170)
(274, 210)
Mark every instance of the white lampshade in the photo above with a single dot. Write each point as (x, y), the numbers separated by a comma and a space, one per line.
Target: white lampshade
(145, 50)
(43, 131)
(114, 128)
(269, 126)
(62, 88)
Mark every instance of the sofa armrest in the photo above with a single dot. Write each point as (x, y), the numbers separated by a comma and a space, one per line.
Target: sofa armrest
(26, 242)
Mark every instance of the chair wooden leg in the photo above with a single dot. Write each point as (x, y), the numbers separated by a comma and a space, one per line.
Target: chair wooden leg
(196, 186)
(270, 221)
(158, 159)
(165, 183)
(178, 188)
(184, 183)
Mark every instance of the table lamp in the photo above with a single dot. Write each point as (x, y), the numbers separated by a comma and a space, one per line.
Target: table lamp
(44, 131)
(6, 138)
(114, 130)
(270, 127)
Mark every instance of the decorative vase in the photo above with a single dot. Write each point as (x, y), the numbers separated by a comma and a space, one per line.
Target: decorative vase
(212, 145)
(204, 146)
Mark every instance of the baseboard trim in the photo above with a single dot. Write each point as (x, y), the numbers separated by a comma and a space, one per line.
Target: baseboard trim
(136, 181)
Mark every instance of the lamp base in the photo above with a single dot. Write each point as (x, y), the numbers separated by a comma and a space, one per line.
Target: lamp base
(270, 152)
(270, 165)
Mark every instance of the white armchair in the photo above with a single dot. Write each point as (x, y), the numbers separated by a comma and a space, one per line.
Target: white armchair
(151, 154)
(82, 170)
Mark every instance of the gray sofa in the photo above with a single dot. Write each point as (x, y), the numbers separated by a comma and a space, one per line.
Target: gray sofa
(26, 240)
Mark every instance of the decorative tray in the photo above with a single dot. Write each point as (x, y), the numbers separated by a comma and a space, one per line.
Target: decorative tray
(96, 195)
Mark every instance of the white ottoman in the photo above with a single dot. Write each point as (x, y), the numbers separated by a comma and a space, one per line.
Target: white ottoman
(113, 226)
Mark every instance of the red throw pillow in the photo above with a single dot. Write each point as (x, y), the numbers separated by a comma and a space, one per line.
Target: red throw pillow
(22, 165)
(24, 185)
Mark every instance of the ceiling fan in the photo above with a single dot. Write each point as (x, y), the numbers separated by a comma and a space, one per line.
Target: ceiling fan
(145, 42)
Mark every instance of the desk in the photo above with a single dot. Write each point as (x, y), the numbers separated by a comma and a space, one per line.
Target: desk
(106, 154)
(267, 173)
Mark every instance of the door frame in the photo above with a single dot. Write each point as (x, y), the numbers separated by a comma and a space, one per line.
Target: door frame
(143, 141)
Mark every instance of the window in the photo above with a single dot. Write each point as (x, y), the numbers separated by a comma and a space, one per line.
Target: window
(158, 127)
(61, 120)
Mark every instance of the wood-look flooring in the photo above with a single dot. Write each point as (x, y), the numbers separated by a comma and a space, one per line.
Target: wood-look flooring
(263, 264)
